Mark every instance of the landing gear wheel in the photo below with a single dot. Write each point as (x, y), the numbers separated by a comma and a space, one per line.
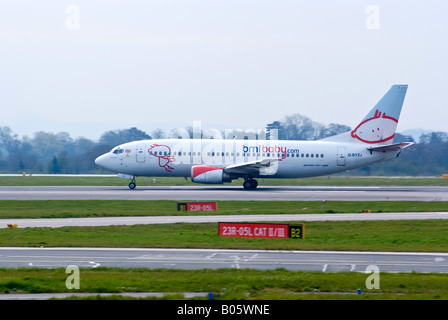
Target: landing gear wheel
(132, 184)
(250, 184)
(254, 184)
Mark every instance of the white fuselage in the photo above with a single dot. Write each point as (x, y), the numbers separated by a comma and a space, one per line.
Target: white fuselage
(289, 159)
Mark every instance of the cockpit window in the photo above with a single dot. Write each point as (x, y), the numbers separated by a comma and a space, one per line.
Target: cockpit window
(118, 151)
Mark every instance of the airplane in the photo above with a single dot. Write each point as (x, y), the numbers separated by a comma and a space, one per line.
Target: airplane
(216, 161)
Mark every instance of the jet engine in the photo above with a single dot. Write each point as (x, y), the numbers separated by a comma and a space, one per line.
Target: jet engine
(209, 175)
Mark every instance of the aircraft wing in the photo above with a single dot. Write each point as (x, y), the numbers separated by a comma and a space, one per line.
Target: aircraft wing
(390, 147)
(256, 167)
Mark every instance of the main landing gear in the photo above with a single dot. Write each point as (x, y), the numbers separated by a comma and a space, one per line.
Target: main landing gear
(250, 184)
(132, 184)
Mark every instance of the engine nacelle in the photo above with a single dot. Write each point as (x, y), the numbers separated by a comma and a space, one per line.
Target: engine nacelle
(209, 174)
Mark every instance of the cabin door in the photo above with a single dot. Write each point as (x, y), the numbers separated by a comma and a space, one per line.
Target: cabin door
(141, 152)
(341, 156)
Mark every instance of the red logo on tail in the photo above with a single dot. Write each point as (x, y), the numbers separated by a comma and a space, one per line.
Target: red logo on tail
(377, 129)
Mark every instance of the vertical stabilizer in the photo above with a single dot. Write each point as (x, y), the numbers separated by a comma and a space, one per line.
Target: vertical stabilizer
(380, 124)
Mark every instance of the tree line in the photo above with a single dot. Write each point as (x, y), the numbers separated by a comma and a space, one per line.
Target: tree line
(59, 153)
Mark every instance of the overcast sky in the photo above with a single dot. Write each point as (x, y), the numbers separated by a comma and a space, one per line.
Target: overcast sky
(85, 66)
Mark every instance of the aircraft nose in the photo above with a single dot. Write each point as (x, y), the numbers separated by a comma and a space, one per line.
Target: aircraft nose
(101, 161)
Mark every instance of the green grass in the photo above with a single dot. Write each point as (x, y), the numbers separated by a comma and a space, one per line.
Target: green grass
(230, 284)
(108, 208)
(162, 181)
(399, 235)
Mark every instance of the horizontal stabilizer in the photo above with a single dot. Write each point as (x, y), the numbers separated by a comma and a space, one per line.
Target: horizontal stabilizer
(391, 147)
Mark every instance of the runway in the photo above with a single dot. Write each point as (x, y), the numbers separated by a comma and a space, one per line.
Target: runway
(323, 261)
(230, 192)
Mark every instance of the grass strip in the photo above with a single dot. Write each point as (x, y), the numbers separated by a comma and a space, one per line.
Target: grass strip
(405, 235)
(230, 284)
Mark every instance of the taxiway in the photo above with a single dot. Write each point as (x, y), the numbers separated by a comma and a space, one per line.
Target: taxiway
(194, 218)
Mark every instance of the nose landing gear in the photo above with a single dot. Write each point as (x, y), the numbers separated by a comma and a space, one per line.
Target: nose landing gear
(132, 184)
(250, 184)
